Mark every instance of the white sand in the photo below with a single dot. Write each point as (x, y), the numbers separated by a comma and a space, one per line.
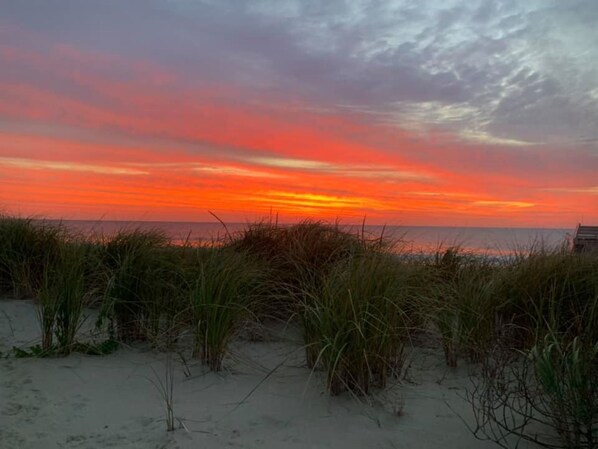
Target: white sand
(110, 402)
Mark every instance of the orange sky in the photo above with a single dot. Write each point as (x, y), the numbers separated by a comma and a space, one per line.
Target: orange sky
(86, 134)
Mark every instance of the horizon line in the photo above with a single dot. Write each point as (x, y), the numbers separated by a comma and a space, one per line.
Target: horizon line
(298, 222)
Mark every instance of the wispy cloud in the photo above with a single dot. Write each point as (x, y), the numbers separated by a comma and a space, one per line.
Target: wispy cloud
(69, 166)
(488, 139)
(301, 164)
(225, 170)
(321, 202)
(379, 172)
(504, 204)
(593, 190)
(446, 194)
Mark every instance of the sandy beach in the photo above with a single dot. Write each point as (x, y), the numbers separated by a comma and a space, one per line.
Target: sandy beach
(265, 398)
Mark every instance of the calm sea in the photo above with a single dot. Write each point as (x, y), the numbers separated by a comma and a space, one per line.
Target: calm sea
(491, 241)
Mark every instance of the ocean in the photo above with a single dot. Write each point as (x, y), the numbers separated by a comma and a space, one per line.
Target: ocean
(426, 239)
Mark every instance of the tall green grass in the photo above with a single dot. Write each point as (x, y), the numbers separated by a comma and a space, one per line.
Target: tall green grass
(464, 303)
(358, 321)
(566, 374)
(223, 295)
(315, 244)
(548, 301)
(62, 297)
(139, 275)
(551, 290)
(26, 246)
(546, 395)
(296, 257)
(475, 301)
(356, 301)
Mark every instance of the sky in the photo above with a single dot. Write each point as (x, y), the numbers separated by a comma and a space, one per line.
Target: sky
(415, 112)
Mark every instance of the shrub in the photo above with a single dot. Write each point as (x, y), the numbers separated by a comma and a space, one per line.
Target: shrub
(548, 397)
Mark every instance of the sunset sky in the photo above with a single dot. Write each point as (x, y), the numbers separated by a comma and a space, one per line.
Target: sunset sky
(472, 113)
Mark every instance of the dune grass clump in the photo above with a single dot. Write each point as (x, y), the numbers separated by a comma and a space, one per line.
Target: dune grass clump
(139, 276)
(551, 290)
(223, 295)
(61, 298)
(297, 256)
(544, 387)
(261, 239)
(296, 259)
(546, 395)
(357, 321)
(315, 244)
(464, 303)
(475, 301)
(445, 310)
(27, 246)
(566, 374)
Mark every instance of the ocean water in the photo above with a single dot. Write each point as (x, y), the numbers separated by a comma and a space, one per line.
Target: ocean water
(426, 239)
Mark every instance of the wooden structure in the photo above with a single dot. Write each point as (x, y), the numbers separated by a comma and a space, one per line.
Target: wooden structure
(586, 239)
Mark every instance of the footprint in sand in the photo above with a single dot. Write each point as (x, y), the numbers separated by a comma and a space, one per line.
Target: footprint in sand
(10, 438)
(19, 400)
(11, 409)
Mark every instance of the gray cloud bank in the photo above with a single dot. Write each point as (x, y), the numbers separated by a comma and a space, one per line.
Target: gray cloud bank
(501, 72)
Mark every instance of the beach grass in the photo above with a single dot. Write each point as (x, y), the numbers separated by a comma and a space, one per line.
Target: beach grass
(463, 303)
(357, 322)
(223, 295)
(566, 373)
(551, 290)
(62, 297)
(135, 268)
(27, 246)
(357, 300)
(296, 256)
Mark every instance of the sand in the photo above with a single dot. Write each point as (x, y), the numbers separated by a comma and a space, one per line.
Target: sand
(265, 399)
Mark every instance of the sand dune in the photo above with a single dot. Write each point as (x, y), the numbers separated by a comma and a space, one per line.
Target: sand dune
(265, 399)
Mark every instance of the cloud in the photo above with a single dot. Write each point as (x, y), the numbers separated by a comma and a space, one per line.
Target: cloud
(522, 72)
(593, 190)
(69, 166)
(233, 171)
(416, 107)
(359, 171)
(503, 204)
(321, 203)
(290, 163)
(485, 138)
